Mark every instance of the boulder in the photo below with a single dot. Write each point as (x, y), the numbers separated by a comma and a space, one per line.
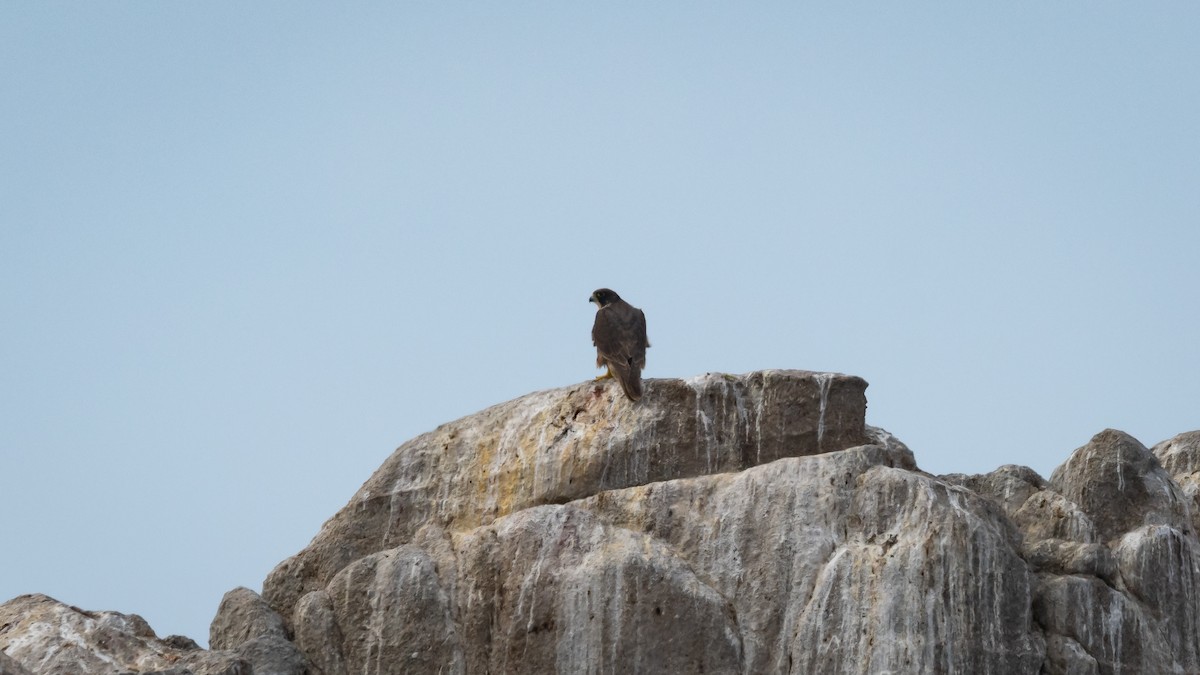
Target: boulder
(1121, 486)
(246, 626)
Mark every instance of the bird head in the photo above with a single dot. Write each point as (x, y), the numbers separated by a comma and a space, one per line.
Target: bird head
(604, 297)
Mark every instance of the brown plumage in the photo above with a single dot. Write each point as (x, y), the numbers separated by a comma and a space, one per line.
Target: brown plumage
(619, 334)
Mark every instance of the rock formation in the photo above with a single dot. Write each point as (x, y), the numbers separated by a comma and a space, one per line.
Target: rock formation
(748, 524)
(42, 636)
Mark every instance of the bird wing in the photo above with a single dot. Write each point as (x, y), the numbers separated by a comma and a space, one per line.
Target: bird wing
(619, 333)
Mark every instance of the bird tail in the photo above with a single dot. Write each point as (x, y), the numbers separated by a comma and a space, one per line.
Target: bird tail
(630, 378)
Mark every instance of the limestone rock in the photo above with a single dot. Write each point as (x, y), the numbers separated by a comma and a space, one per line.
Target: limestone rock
(1048, 515)
(1111, 540)
(556, 446)
(273, 655)
(1071, 557)
(318, 634)
(766, 570)
(9, 666)
(241, 617)
(787, 559)
(1009, 486)
(1065, 656)
(1111, 628)
(726, 524)
(812, 551)
(1120, 485)
(248, 627)
(47, 638)
(1180, 457)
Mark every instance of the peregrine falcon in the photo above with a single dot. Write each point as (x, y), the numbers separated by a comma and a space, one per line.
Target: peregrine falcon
(620, 338)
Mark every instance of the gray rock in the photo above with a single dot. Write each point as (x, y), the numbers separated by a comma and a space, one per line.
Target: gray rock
(1142, 616)
(1160, 568)
(181, 642)
(839, 562)
(556, 446)
(1009, 486)
(1180, 457)
(725, 524)
(243, 616)
(811, 552)
(248, 627)
(1065, 656)
(48, 637)
(394, 616)
(1049, 515)
(9, 666)
(318, 634)
(730, 573)
(273, 655)
(1109, 626)
(1071, 557)
(1120, 485)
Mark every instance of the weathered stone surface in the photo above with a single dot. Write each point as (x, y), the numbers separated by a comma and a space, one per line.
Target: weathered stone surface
(1111, 628)
(9, 666)
(1048, 515)
(1160, 568)
(1065, 656)
(555, 446)
(318, 634)
(1112, 541)
(48, 638)
(1180, 457)
(1009, 486)
(1071, 557)
(248, 627)
(746, 524)
(811, 552)
(1120, 485)
(394, 615)
(273, 655)
(243, 616)
(767, 570)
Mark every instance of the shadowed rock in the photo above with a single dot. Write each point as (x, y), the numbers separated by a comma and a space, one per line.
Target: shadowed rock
(9, 666)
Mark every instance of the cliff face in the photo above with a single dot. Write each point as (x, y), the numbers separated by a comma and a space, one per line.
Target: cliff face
(749, 524)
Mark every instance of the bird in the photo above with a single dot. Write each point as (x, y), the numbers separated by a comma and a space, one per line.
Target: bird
(619, 334)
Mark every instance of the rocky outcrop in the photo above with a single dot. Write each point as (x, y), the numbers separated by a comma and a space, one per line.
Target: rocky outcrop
(1111, 544)
(749, 524)
(562, 445)
(46, 636)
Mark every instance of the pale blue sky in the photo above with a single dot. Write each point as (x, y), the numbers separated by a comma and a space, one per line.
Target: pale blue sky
(247, 249)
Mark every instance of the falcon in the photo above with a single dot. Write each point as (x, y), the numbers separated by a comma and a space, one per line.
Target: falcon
(619, 334)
